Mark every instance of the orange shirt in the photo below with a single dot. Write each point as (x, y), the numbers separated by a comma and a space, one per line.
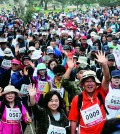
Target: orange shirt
(87, 109)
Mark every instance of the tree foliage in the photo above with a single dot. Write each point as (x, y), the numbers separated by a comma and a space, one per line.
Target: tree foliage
(109, 2)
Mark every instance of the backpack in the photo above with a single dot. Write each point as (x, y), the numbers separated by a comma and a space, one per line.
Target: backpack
(19, 104)
(80, 98)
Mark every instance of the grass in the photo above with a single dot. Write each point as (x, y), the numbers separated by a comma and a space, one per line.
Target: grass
(57, 10)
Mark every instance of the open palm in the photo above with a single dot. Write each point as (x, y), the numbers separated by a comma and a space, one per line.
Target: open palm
(32, 90)
(101, 58)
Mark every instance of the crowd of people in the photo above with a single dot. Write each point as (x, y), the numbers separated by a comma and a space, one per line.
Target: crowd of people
(61, 72)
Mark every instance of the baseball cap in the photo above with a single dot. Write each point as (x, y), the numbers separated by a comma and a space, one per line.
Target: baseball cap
(66, 47)
(106, 49)
(36, 55)
(50, 51)
(93, 49)
(14, 61)
(84, 37)
(110, 57)
(115, 73)
(82, 66)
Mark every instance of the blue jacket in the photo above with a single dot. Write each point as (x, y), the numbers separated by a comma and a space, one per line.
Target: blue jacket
(17, 80)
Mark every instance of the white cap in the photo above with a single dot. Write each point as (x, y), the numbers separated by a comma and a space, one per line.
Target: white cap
(32, 48)
(36, 55)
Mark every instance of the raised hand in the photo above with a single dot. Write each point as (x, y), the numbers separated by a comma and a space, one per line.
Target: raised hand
(25, 71)
(101, 58)
(32, 90)
(70, 63)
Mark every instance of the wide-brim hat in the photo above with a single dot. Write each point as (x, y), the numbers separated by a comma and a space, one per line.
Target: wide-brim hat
(9, 89)
(8, 52)
(3, 40)
(88, 74)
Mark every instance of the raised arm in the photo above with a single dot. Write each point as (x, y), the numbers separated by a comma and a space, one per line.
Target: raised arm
(70, 64)
(106, 76)
(32, 93)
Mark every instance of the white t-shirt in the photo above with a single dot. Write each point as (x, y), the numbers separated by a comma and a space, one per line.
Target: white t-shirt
(112, 102)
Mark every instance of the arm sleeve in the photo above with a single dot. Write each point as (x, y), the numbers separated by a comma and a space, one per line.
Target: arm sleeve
(17, 81)
(73, 115)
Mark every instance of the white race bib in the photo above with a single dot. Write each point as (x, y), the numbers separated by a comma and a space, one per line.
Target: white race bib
(24, 88)
(6, 63)
(114, 103)
(56, 130)
(41, 85)
(61, 91)
(92, 115)
(13, 114)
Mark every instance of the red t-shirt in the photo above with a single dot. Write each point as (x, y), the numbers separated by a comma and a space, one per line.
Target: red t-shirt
(89, 125)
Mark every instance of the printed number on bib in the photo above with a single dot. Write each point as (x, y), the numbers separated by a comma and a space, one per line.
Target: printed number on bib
(56, 130)
(92, 115)
(13, 114)
(24, 88)
(114, 103)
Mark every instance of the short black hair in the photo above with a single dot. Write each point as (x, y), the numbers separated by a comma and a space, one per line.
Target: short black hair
(59, 69)
(50, 61)
(49, 96)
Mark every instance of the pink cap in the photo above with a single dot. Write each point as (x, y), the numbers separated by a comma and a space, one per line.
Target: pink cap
(14, 61)
(84, 38)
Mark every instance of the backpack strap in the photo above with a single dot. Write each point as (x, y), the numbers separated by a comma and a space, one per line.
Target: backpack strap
(102, 102)
(80, 98)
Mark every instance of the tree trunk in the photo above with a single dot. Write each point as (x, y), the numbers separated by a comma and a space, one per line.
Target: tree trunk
(41, 3)
(45, 8)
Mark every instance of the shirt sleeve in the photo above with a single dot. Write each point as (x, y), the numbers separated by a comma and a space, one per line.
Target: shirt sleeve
(73, 115)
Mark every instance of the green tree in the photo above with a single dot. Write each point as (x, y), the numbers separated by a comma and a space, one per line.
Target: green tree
(109, 2)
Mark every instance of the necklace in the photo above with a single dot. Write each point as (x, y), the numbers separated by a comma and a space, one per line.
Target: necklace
(91, 98)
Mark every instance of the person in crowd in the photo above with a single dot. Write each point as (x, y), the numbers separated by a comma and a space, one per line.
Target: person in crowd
(51, 117)
(90, 102)
(113, 95)
(12, 111)
(52, 63)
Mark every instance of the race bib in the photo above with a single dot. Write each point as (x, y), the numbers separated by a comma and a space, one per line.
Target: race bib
(114, 103)
(6, 63)
(56, 130)
(24, 88)
(42, 85)
(13, 114)
(61, 91)
(92, 115)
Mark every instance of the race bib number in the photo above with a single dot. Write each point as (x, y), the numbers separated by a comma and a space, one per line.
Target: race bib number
(114, 103)
(56, 130)
(13, 114)
(24, 88)
(92, 115)
(6, 63)
(41, 86)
